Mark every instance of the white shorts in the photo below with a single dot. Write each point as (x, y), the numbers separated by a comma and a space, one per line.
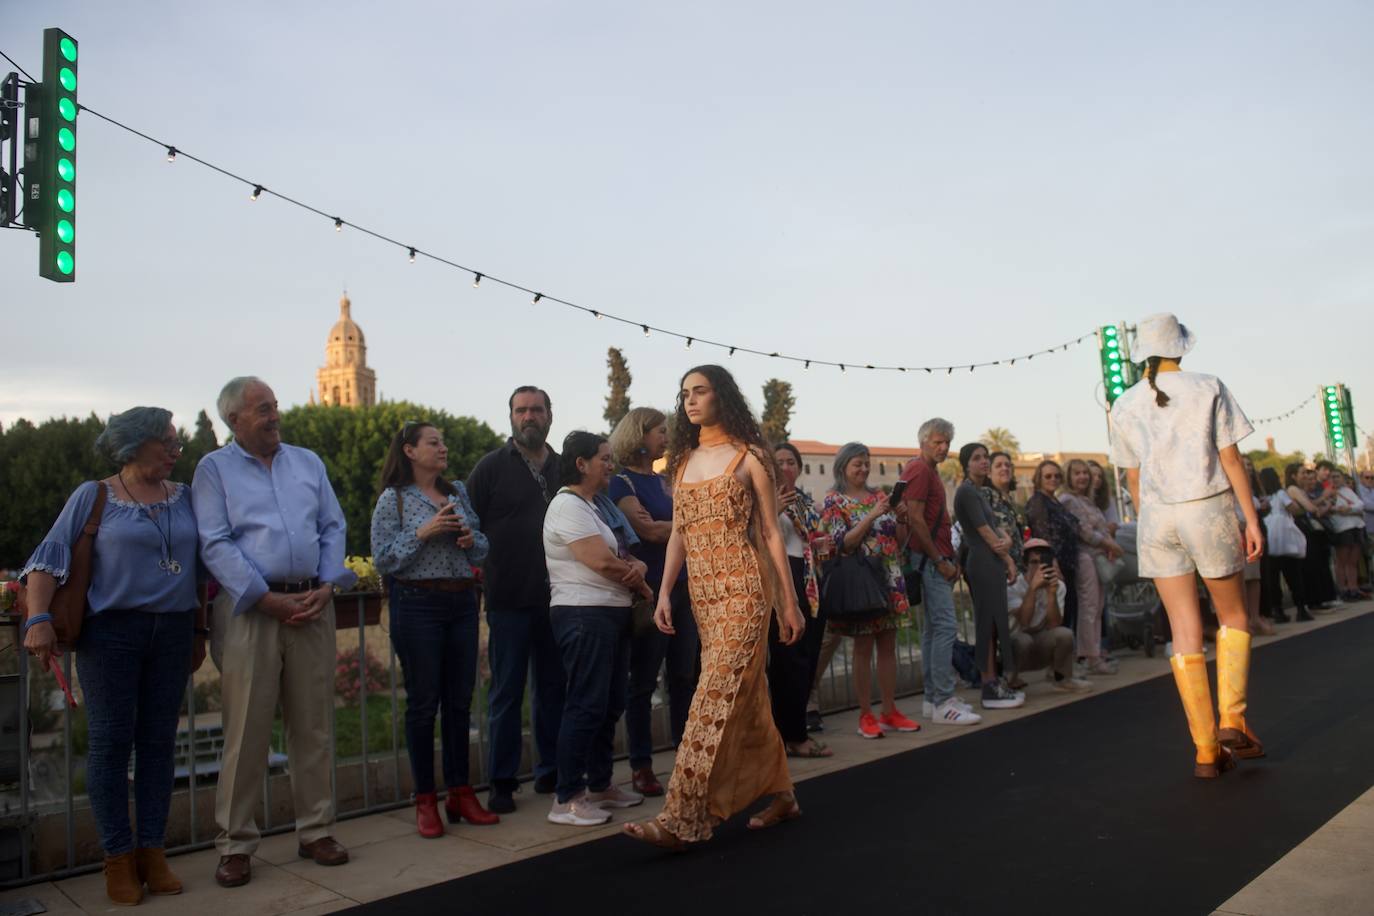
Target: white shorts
(1202, 536)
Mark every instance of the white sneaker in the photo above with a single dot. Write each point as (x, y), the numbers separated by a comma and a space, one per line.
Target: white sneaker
(928, 708)
(1072, 684)
(951, 713)
(615, 797)
(578, 812)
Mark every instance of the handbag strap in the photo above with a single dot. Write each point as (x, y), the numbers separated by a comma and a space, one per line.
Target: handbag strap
(97, 511)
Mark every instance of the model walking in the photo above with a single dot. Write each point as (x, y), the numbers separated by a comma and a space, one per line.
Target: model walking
(726, 531)
(1177, 440)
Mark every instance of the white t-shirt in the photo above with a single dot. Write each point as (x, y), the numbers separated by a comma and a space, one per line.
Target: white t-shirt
(571, 518)
(1016, 593)
(792, 541)
(1346, 499)
(1177, 446)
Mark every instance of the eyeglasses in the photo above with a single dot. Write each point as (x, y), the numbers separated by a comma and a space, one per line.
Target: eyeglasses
(171, 444)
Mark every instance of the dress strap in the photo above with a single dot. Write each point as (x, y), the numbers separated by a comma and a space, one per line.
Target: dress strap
(730, 468)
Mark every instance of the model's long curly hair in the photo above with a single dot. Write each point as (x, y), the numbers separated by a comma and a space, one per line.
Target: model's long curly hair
(734, 414)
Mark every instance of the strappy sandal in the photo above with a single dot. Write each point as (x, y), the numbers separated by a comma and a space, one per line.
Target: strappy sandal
(782, 808)
(655, 834)
(810, 749)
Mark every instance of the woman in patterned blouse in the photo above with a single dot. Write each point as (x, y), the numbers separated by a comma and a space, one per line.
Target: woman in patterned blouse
(860, 520)
(1094, 540)
(1050, 521)
(427, 539)
(1000, 488)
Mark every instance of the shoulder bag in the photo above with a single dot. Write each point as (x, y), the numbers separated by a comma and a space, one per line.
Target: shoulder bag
(68, 606)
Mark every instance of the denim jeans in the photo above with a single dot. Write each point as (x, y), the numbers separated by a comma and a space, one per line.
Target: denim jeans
(435, 635)
(937, 634)
(133, 667)
(648, 650)
(520, 640)
(595, 642)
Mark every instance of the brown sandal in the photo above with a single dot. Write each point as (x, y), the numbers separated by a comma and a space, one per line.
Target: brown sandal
(655, 834)
(782, 808)
(809, 749)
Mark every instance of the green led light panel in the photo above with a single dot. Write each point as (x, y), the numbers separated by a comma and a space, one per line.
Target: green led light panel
(52, 200)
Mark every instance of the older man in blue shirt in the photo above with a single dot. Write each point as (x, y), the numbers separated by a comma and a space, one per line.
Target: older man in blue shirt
(272, 534)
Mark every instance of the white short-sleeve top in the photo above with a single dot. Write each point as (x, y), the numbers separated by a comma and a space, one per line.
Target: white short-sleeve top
(1177, 447)
(571, 582)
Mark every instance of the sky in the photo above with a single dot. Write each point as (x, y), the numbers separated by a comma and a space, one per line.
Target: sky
(891, 183)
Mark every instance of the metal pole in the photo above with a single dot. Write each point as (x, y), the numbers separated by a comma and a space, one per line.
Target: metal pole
(362, 691)
(67, 759)
(395, 728)
(191, 749)
(22, 657)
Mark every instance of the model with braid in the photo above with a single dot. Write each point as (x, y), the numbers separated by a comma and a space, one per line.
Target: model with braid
(725, 528)
(1177, 442)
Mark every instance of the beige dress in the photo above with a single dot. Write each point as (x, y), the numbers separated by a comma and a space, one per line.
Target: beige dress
(731, 753)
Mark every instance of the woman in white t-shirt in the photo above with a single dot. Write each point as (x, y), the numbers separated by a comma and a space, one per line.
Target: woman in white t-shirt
(1176, 436)
(593, 581)
(1347, 536)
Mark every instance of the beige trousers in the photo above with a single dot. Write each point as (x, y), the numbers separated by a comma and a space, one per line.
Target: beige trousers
(261, 662)
(1050, 648)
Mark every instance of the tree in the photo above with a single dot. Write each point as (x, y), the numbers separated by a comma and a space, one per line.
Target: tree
(777, 410)
(204, 438)
(1001, 439)
(40, 466)
(619, 378)
(1263, 458)
(353, 442)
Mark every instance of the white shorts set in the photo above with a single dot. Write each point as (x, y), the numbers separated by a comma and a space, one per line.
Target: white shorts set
(1188, 518)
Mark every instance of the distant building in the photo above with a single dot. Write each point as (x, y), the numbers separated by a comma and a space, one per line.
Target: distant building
(344, 379)
(818, 463)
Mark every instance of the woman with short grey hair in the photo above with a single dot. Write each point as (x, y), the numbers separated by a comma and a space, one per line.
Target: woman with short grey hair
(143, 633)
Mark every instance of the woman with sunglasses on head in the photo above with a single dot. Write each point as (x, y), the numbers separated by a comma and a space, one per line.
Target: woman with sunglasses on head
(427, 539)
(1176, 437)
(1050, 521)
(143, 634)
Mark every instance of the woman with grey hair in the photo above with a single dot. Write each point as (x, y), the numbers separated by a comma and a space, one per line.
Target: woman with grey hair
(143, 633)
(860, 519)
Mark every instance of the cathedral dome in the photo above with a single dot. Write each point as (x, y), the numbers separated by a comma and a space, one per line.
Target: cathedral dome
(346, 330)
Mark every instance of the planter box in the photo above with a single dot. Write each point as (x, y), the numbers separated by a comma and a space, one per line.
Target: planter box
(348, 605)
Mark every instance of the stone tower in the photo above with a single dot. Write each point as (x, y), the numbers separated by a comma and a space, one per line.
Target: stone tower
(345, 379)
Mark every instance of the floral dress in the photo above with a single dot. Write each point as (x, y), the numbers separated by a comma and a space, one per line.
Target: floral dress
(1010, 520)
(839, 514)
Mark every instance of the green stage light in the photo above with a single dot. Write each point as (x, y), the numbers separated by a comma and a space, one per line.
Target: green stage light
(51, 170)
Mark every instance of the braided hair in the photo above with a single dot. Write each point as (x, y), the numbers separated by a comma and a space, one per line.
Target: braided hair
(1152, 370)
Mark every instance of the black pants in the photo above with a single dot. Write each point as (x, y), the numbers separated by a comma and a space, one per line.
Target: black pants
(791, 669)
(1291, 568)
(1319, 584)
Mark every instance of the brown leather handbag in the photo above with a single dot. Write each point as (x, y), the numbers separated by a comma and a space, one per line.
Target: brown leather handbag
(68, 605)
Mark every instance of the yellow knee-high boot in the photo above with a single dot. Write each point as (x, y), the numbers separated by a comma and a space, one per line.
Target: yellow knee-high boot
(1233, 677)
(1190, 676)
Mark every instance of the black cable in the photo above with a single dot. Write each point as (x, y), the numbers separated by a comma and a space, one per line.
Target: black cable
(17, 67)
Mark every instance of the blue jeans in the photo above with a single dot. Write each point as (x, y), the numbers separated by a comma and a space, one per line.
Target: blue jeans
(647, 653)
(937, 634)
(519, 640)
(435, 635)
(595, 642)
(133, 667)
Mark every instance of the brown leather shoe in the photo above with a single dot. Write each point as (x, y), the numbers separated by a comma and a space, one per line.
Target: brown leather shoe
(153, 869)
(325, 851)
(121, 880)
(646, 783)
(234, 871)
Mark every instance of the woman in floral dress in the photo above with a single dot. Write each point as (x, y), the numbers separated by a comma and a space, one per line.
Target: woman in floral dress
(860, 519)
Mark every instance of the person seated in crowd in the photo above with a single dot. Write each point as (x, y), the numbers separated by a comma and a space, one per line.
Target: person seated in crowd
(593, 580)
(641, 493)
(1095, 542)
(1347, 535)
(1039, 638)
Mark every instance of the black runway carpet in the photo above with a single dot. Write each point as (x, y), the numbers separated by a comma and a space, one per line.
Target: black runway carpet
(1089, 808)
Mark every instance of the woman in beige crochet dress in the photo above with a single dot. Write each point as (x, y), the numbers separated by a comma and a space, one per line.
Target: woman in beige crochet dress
(726, 531)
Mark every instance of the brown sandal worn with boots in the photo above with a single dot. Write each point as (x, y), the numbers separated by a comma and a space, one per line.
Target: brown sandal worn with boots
(1233, 680)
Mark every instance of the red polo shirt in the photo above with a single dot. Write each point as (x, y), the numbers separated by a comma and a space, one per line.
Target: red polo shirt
(923, 483)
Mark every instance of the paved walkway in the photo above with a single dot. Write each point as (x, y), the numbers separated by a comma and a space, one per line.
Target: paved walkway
(1327, 874)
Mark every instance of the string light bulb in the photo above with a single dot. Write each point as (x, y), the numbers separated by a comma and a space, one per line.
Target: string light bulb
(596, 314)
(412, 255)
(338, 224)
(689, 343)
(257, 192)
(476, 280)
(537, 297)
(171, 154)
(842, 369)
(646, 329)
(807, 365)
(732, 351)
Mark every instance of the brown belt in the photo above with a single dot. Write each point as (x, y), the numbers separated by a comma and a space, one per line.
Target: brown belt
(439, 585)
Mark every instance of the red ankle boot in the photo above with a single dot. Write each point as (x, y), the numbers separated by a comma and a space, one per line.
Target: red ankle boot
(462, 803)
(427, 815)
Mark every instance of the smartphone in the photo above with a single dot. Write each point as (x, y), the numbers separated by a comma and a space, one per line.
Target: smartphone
(897, 490)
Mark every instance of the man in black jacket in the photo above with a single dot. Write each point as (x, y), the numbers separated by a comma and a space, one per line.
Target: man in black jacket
(510, 488)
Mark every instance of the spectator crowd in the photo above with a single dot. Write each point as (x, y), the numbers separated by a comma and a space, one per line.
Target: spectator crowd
(565, 549)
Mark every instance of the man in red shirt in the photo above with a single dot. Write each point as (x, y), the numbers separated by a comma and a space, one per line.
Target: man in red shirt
(932, 558)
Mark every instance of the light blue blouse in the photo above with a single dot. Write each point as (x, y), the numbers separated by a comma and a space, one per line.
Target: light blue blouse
(397, 549)
(127, 550)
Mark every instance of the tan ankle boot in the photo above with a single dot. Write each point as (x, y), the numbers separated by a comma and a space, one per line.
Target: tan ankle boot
(1190, 676)
(1233, 677)
(154, 871)
(121, 880)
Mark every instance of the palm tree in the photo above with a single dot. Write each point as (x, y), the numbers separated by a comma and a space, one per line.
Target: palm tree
(1001, 439)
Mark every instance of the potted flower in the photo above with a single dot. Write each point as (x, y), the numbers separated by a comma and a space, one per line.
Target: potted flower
(367, 592)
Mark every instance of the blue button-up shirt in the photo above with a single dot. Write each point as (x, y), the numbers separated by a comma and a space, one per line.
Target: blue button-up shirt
(259, 524)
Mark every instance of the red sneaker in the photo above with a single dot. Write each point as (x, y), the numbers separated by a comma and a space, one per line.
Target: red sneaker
(869, 727)
(895, 721)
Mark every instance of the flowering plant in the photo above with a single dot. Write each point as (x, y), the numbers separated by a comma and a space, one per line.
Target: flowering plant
(9, 591)
(369, 580)
(347, 683)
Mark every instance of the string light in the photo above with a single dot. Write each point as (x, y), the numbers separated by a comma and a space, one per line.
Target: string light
(646, 329)
(476, 280)
(257, 189)
(689, 343)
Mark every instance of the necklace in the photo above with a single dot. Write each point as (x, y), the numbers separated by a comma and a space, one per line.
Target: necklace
(168, 564)
(713, 435)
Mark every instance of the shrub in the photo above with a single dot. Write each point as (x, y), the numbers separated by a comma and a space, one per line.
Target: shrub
(347, 683)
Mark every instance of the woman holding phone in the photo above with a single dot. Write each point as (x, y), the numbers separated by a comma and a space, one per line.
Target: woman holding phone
(427, 539)
(1176, 437)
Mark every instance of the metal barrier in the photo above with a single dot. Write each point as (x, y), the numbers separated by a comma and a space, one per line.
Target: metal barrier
(30, 814)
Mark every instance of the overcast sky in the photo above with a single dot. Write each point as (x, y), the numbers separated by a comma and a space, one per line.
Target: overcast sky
(918, 183)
